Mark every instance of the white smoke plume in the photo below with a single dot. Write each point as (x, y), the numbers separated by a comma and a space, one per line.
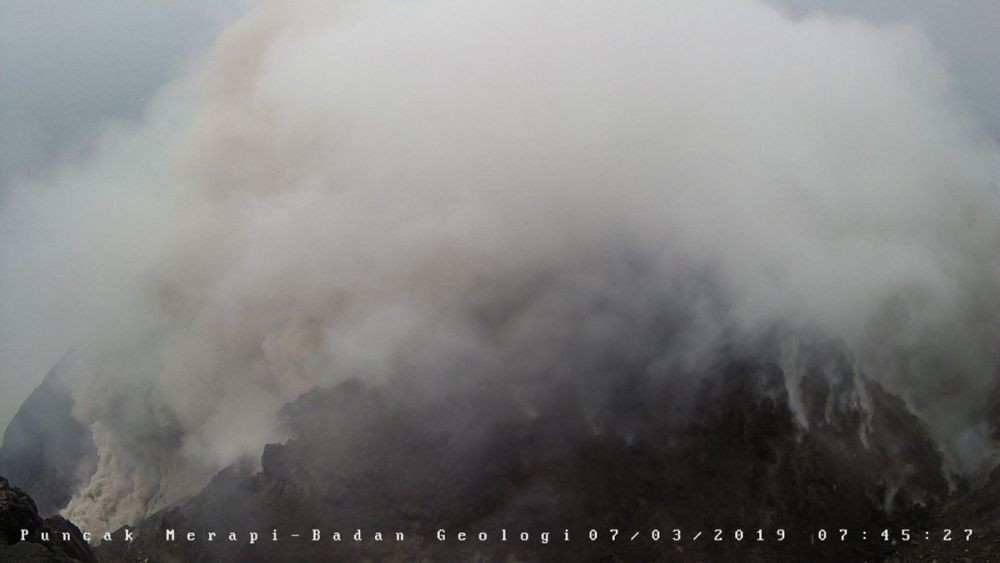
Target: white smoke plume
(346, 189)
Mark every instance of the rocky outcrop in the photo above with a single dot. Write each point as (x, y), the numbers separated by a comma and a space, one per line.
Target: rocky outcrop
(969, 520)
(738, 459)
(46, 451)
(49, 539)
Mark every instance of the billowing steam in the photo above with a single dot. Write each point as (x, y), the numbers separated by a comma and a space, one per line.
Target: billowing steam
(441, 191)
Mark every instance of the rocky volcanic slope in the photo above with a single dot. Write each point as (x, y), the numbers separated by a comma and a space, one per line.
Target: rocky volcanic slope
(482, 460)
(45, 450)
(17, 512)
(725, 451)
(979, 511)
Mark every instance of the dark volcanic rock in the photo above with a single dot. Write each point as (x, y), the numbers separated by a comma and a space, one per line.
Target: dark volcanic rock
(968, 521)
(18, 512)
(46, 451)
(486, 460)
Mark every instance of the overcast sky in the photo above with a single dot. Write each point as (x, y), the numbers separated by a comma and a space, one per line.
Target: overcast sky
(68, 69)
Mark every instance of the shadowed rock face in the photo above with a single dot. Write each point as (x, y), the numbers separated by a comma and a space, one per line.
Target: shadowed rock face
(46, 451)
(18, 512)
(977, 510)
(384, 459)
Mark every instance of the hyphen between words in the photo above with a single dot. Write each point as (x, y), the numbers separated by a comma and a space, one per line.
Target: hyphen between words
(359, 535)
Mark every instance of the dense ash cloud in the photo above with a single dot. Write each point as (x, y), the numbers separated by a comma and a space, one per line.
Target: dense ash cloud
(69, 74)
(442, 191)
(964, 35)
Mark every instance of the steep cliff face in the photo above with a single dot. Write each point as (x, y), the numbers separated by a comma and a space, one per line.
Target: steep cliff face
(46, 451)
(744, 455)
(49, 539)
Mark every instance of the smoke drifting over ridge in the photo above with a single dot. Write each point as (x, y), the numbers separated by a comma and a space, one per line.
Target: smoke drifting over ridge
(447, 192)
